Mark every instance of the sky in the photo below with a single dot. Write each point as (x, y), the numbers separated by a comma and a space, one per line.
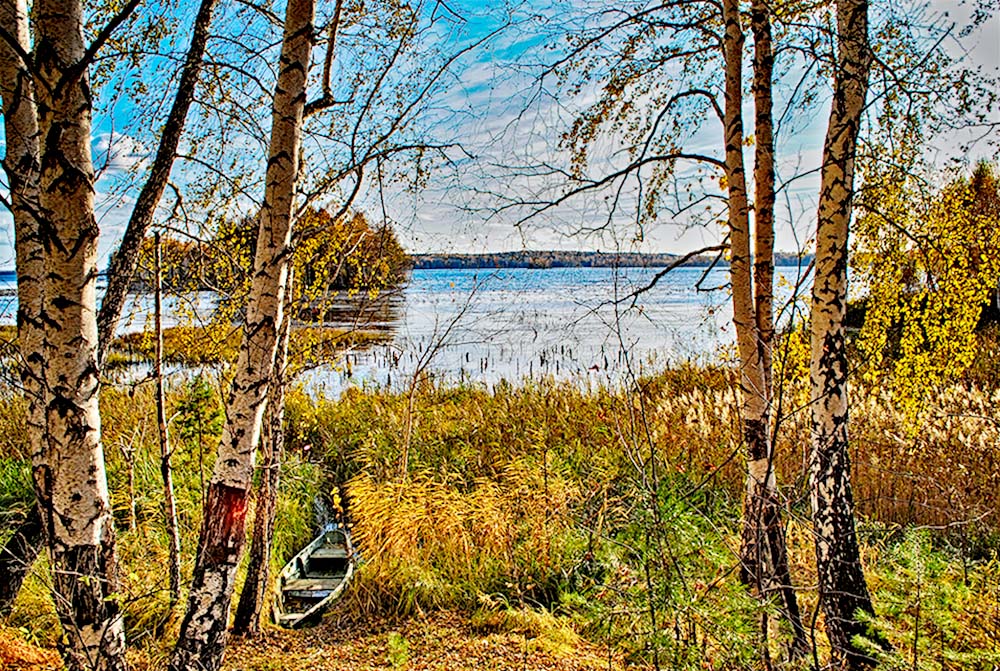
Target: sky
(507, 121)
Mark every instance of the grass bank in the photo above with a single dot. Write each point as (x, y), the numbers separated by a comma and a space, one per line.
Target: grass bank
(619, 512)
(566, 518)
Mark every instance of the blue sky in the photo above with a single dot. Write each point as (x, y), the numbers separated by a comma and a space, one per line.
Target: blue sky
(491, 103)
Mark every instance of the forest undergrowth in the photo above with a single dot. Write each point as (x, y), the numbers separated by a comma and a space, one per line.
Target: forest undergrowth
(572, 515)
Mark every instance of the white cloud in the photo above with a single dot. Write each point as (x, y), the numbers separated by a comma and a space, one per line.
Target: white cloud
(117, 153)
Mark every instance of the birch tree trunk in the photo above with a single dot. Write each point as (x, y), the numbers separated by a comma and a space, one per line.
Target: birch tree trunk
(758, 557)
(763, 69)
(21, 166)
(223, 531)
(72, 483)
(763, 276)
(752, 387)
(246, 621)
(843, 591)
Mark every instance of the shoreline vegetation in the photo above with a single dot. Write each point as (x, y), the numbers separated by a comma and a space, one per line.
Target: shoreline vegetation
(542, 259)
(554, 505)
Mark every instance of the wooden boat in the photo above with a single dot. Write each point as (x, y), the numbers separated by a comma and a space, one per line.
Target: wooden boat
(314, 578)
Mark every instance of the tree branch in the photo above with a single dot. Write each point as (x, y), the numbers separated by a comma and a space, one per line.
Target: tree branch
(124, 261)
(673, 266)
(107, 31)
(331, 45)
(79, 68)
(326, 100)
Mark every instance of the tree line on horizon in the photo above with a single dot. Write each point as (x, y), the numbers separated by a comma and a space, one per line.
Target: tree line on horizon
(689, 58)
(540, 259)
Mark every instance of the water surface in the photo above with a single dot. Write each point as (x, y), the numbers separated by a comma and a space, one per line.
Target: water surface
(488, 325)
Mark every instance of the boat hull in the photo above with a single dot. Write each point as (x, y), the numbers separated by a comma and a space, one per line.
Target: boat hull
(314, 579)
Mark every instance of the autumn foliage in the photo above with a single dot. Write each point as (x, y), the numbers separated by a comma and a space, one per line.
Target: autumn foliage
(346, 253)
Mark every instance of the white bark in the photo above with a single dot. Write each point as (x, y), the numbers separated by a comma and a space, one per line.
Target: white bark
(256, 587)
(72, 479)
(21, 165)
(842, 587)
(265, 312)
(223, 533)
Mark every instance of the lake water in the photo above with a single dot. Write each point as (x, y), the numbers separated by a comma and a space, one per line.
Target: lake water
(488, 325)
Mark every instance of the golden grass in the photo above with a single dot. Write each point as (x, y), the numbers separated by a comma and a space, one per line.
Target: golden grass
(17, 654)
(546, 513)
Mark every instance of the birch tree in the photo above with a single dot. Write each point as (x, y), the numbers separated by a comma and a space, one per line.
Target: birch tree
(223, 533)
(21, 166)
(21, 144)
(166, 471)
(375, 122)
(843, 590)
(763, 554)
(664, 81)
(246, 620)
(70, 479)
(930, 260)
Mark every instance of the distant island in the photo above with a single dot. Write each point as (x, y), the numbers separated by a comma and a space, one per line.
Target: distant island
(563, 259)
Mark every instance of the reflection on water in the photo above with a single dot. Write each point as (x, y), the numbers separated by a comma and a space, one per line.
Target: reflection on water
(570, 323)
(485, 326)
(381, 312)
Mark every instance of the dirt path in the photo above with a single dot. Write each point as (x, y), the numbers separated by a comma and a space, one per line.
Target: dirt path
(438, 642)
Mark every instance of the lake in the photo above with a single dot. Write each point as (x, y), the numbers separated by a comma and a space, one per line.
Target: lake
(511, 324)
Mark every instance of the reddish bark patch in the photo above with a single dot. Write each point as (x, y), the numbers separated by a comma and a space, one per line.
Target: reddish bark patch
(224, 525)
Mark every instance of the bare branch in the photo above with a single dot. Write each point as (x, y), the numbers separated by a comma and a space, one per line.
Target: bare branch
(328, 61)
(611, 177)
(673, 266)
(106, 32)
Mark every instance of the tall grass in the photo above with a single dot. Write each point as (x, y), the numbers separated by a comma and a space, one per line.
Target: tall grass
(613, 513)
(130, 441)
(621, 510)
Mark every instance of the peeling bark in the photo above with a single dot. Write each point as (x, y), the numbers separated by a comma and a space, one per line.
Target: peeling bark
(71, 482)
(21, 166)
(843, 591)
(202, 637)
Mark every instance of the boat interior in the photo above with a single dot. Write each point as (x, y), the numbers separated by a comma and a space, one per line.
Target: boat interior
(317, 573)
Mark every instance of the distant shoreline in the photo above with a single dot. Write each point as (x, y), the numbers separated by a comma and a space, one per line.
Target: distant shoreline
(543, 259)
